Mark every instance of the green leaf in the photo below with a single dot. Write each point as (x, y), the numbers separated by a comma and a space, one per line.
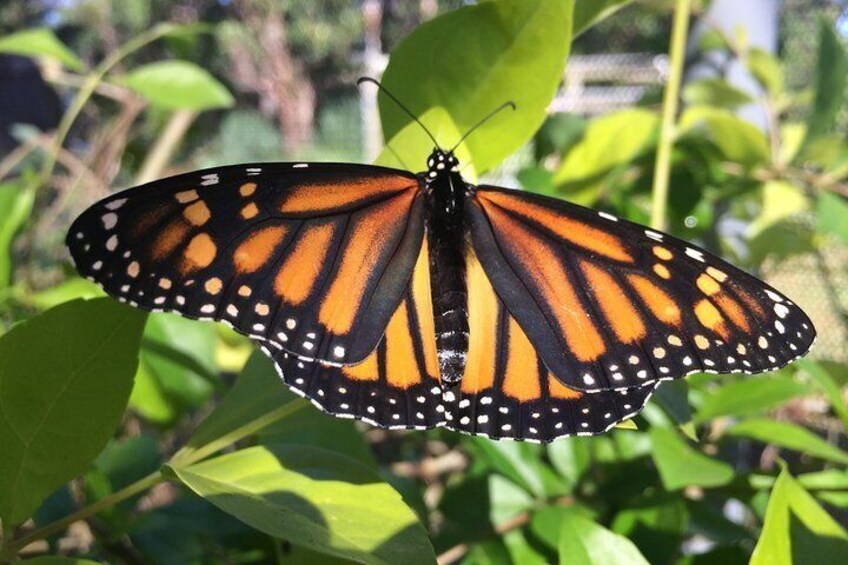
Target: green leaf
(176, 368)
(65, 377)
(470, 61)
(766, 69)
(519, 462)
(790, 436)
(781, 200)
(832, 215)
(587, 13)
(825, 380)
(656, 523)
(797, 529)
(506, 499)
(70, 289)
(175, 85)
(681, 466)
(583, 541)
(750, 396)
(39, 42)
(673, 397)
(738, 140)
(831, 79)
(571, 458)
(16, 203)
(610, 141)
(412, 138)
(715, 92)
(315, 498)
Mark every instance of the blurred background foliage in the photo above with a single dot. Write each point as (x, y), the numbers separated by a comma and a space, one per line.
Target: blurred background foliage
(97, 95)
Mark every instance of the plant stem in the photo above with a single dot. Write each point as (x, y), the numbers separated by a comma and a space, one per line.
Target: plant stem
(189, 455)
(165, 145)
(11, 548)
(662, 166)
(88, 87)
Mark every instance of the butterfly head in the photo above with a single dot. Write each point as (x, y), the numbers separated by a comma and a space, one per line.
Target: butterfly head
(440, 162)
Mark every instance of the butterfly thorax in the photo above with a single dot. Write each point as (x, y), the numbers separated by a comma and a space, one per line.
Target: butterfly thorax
(446, 239)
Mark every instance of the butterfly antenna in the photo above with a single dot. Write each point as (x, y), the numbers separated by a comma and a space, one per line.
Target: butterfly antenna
(483, 121)
(401, 106)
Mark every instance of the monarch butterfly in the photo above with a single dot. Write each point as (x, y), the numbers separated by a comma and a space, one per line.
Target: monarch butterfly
(420, 300)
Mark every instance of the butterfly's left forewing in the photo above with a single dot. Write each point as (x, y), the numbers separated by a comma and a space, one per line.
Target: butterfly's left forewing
(609, 304)
(313, 259)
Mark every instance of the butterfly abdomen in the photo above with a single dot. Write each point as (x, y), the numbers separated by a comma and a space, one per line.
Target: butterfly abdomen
(446, 240)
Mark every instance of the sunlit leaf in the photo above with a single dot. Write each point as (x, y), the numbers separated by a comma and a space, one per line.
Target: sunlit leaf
(781, 200)
(315, 498)
(790, 436)
(609, 141)
(471, 60)
(178, 85)
(738, 140)
(798, 530)
(766, 69)
(750, 396)
(65, 377)
(587, 13)
(39, 42)
(680, 465)
(584, 541)
(832, 215)
(715, 92)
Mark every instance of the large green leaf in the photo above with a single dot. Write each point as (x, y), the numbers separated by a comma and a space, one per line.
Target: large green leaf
(766, 69)
(790, 436)
(797, 530)
(315, 498)
(831, 79)
(583, 541)
(681, 466)
(65, 377)
(750, 396)
(589, 12)
(179, 85)
(472, 60)
(39, 42)
(609, 141)
(58, 560)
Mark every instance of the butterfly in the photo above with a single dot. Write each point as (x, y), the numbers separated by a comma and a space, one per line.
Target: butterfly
(420, 300)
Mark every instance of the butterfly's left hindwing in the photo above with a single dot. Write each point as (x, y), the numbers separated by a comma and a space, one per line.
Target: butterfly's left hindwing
(311, 258)
(397, 385)
(609, 304)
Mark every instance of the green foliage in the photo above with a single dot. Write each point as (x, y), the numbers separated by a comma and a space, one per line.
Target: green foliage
(324, 501)
(64, 384)
(797, 529)
(681, 466)
(39, 42)
(471, 61)
(178, 85)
